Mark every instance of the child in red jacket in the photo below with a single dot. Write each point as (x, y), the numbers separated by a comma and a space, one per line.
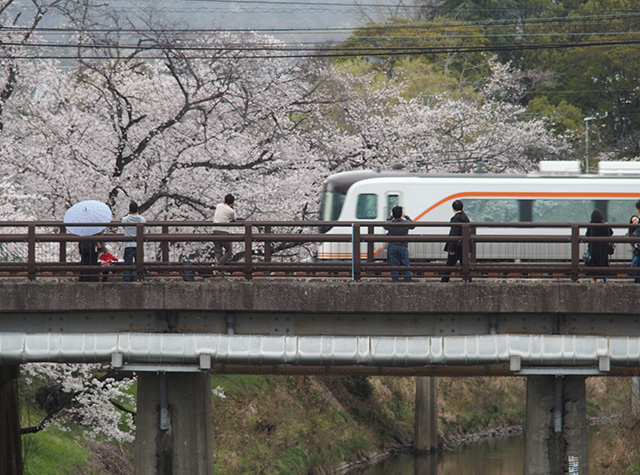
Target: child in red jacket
(106, 259)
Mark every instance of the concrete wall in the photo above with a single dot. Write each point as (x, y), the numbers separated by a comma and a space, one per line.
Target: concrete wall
(523, 297)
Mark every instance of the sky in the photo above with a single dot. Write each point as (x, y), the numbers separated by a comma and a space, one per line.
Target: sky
(304, 23)
(292, 21)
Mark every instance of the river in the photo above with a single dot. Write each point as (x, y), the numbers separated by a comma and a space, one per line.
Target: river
(494, 456)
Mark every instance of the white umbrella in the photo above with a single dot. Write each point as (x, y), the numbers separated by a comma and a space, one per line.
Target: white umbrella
(89, 211)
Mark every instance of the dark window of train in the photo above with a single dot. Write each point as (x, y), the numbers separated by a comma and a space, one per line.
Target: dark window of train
(526, 213)
(620, 211)
(367, 207)
(392, 202)
(562, 211)
(602, 206)
(493, 210)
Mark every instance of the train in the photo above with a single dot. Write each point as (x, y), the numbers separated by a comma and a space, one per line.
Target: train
(556, 193)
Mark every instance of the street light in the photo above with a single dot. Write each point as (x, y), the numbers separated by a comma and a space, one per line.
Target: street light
(586, 152)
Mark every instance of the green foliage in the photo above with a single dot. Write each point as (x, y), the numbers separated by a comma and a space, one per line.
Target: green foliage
(54, 452)
(563, 116)
(388, 45)
(539, 36)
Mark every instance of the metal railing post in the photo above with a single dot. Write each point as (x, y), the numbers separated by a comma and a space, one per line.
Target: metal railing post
(267, 245)
(31, 252)
(472, 247)
(140, 251)
(355, 252)
(575, 252)
(164, 245)
(465, 252)
(248, 254)
(370, 232)
(63, 246)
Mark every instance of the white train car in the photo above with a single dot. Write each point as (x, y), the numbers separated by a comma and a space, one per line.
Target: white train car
(557, 193)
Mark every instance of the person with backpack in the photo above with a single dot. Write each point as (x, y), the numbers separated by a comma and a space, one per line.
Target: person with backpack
(398, 252)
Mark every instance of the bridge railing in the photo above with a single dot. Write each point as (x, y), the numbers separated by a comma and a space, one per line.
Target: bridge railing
(355, 250)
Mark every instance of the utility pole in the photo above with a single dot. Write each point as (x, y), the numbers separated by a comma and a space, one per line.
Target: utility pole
(586, 150)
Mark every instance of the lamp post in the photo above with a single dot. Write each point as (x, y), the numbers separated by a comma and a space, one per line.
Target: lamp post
(586, 150)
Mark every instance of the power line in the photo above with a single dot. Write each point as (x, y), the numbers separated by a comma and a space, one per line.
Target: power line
(301, 52)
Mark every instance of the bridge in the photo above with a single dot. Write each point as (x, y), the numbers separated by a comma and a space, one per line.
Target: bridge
(530, 319)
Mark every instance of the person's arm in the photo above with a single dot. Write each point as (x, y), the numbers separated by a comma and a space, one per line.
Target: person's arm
(409, 220)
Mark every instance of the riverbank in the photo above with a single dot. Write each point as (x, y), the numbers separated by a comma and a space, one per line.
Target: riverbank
(333, 424)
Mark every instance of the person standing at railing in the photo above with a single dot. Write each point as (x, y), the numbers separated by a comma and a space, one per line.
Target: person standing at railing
(598, 251)
(225, 213)
(88, 257)
(454, 248)
(130, 247)
(398, 252)
(635, 260)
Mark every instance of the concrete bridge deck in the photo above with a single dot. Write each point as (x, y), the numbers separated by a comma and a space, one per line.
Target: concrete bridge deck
(277, 326)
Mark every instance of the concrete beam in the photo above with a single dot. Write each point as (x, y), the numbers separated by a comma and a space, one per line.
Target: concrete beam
(320, 308)
(304, 296)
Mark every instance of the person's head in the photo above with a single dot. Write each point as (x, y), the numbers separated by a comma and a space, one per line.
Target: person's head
(596, 216)
(133, 207)
(229, 199)
(457, 205)
(396, 212)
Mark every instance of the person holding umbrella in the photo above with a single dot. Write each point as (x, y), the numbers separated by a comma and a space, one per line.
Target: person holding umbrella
(88, 257)
(84, 214)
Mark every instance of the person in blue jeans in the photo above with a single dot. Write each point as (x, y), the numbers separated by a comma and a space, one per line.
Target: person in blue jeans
(398, 252)
(130, 247)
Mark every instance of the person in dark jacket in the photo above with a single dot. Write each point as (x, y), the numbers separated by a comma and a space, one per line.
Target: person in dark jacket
(635, 260)
(88, 257)
(398, 252)
(599, 251)
(454, 248)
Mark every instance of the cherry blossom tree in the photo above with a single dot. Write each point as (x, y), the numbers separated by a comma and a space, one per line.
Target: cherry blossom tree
(84, 394)
(18, 23)
(201, 117)
(376, 126)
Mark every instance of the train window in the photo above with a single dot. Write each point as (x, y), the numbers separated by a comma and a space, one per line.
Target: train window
(367, 207)
(620, 211)
(392, 202)
(331, 206)
(562, 211)
(493, 210)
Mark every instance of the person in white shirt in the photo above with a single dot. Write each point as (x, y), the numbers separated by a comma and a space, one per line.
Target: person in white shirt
(225, 213)
(130, 247)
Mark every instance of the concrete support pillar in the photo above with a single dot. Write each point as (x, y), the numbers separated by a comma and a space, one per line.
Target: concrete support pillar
(174, 431)
(10, 442)
(556, 426)
(426, 416)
